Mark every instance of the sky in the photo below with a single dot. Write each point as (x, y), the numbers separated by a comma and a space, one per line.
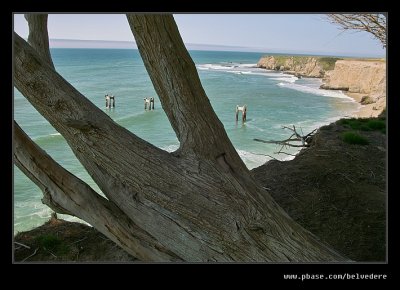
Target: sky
(275, 33)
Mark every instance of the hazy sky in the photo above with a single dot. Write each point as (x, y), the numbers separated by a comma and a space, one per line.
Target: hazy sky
(301, 33)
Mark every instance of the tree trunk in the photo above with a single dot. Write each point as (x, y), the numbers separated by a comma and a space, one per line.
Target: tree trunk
(38, 37)
(199, 203)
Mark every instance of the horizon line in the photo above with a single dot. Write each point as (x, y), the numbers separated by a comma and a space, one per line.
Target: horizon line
(131, 44)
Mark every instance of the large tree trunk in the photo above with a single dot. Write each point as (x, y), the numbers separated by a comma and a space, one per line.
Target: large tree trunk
(199, 203)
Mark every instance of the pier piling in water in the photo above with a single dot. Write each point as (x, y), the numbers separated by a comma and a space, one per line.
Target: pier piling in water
(242, 109)
(150, 102)
(110, 98)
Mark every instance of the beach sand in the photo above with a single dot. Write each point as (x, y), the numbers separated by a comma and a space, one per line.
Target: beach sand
(370, 110)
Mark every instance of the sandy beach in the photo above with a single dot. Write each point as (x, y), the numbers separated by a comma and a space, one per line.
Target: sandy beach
(370, 110)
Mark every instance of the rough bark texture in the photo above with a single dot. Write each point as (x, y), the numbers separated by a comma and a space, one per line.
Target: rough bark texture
(65, 193)
(38, 36)
(197, 204)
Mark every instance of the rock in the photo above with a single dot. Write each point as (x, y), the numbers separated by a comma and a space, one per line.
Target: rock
(358, 76)
(267, 62)
(300, 65)
(366, 100)
(328, 87)
(354, 76)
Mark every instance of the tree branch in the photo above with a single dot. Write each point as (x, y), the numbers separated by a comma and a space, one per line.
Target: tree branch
(65, 193)
(305, 140)
(374, 24)
(87, 129)
(152, 187)
(38, 36)
(198, 206)
(177, 83)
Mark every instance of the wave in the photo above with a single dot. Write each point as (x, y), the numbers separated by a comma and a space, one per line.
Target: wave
(316, 91)
(170, 148)
(240, 72)
(288, 158)
(248, 69)
(209, 66)
(252, 160)
(286, 78)
(51, 136)
(229, 67)
(250, 65)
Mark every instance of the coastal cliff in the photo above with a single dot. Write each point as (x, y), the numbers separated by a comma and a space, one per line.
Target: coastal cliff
(365, 77)
(305, 66)
(362, 79)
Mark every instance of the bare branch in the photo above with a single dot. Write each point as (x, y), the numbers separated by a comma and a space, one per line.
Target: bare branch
(374, 24)
(305, 140)
(23, 245)
(34, 253)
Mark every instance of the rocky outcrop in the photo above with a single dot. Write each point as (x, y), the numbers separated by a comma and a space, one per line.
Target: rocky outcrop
(365, 77)
(298, 65)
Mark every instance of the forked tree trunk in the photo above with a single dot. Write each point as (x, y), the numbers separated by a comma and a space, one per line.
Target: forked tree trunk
(199, 203)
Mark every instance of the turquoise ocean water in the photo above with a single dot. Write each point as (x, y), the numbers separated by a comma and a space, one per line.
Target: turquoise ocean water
(273, 99)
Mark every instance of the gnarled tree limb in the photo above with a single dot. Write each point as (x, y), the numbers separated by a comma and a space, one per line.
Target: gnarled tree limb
(65, 193)
(200, 204)
(38, 36)
(182, 96)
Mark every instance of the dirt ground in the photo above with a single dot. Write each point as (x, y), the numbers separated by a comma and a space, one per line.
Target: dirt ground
(334, 189)
(63, 241)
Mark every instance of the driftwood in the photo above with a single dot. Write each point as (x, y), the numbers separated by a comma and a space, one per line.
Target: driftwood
(292, 140)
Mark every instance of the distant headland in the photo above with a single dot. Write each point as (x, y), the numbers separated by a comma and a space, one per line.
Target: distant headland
(360, 78)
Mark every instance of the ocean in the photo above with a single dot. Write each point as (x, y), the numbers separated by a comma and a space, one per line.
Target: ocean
(273, 99)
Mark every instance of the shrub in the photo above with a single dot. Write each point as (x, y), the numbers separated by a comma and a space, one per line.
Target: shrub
(354, 138)
(328, 63)
(52, 243)
(365, 124)
(376, 124)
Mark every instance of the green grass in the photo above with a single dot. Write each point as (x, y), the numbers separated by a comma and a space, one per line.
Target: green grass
(376, 124)
(328, 63)
(354, 138)
(52, 243)
(369, 124)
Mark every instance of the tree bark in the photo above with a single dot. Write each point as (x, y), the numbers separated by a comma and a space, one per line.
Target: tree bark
(199, 203)
(65, 193)
(38, 36)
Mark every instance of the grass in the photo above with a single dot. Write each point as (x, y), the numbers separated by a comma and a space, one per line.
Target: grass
(354, 138)
(52, 243)
(328, 63)
(369, 124)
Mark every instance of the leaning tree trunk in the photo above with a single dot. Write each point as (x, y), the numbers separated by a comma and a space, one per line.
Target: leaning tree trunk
(199, 203)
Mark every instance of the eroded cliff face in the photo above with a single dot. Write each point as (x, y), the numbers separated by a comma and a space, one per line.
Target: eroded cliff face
(358, 76)
(299, 66)
(364, 79)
